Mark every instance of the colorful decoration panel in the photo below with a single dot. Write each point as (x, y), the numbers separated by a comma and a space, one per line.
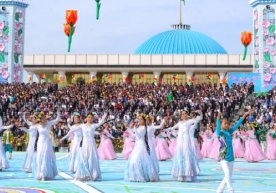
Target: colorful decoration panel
(248, 77)
(4, 46)
(264, 18)
(18, 48)
(269, 45)
(12, 22)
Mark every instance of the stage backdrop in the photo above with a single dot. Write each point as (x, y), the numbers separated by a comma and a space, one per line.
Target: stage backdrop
(250, 77)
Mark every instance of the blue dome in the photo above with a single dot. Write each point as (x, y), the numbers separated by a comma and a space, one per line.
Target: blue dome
(180, 42)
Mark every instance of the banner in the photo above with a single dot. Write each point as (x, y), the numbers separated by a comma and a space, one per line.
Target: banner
(249, 77)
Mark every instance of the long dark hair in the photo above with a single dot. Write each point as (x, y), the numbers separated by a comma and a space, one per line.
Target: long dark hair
(146, 136)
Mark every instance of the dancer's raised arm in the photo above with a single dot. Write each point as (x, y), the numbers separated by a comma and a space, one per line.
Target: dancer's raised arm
(101, 122)
(172, 128)
(4, 127)
(29, 123)
(159, 126)
(71, 132)
(27, 130)
(239, 122)
(195, 120)
(56, 120)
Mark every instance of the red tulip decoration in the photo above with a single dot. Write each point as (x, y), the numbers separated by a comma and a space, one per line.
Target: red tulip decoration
(246, 39)
(69, 28)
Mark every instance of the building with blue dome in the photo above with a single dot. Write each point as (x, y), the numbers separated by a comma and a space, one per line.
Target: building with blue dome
(176, 56)
(180, 42)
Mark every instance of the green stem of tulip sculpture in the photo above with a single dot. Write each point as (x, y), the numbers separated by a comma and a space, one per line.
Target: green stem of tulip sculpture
(98, 9)
(70, 37)
(244, 53)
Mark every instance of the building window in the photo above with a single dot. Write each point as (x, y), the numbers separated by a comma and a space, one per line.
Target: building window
(142, 78)
(203, 77)
(174, 78)
(112, 78)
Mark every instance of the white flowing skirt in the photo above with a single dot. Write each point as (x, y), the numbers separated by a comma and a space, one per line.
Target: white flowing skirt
(140, 167)
(44, 165)
(153, 155)
(75, 148)
(185, 162)
(88, 166)
(4, 164)
(27, 166)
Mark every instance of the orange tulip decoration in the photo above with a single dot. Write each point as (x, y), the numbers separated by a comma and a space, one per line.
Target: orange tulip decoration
(69, 28)
(246, 39)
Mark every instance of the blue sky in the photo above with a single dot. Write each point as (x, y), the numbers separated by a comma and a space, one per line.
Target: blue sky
(125, 24)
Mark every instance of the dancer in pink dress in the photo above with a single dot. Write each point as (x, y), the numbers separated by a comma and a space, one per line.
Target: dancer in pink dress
(253, 150)
(198, 151)
(207, 142)
(237, 145)
(271, 143)
(129, 143)
(173, 141)
(214, 153)
(106, 149)
(162, 149)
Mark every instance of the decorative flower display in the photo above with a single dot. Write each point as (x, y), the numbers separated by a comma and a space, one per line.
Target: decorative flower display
(266, 24)
(246, 39)
(270, 41)
(69, 28)
(5, 74)
(5, 65)
(2, 25)
(266, 65)
(2, 47)
(273, 70)
(6, 39)
(267, 77)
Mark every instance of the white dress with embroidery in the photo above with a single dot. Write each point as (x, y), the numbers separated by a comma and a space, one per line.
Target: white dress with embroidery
(185, 161)
(140, 167)
(44, 165)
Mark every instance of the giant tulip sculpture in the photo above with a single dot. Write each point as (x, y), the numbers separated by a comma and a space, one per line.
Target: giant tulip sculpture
(69, 27)
(246, 39)
(98, 7)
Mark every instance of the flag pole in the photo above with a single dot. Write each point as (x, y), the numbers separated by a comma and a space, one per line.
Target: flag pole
(180, 12)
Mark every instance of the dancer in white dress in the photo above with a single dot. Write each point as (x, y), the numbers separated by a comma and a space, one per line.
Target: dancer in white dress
(75, 144)
(140, 167)
(32, 132)
(185, 161)
(151, 128)
(4, 164)
(88, 166)
(44, 165)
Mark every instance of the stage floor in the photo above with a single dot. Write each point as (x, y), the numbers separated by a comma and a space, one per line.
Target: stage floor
(248, 178)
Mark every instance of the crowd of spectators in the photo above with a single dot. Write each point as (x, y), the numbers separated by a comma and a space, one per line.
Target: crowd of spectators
(123, 101)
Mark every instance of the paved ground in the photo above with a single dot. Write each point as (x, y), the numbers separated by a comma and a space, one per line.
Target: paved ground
(248, 178)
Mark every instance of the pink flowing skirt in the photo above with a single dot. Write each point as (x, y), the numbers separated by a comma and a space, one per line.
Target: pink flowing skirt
(162, 150)
(253, 151)
(214, 154)
(128, 148)
(106, 150)
(172, 146)
(238, 148)
(271, 149)
(206, 148)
